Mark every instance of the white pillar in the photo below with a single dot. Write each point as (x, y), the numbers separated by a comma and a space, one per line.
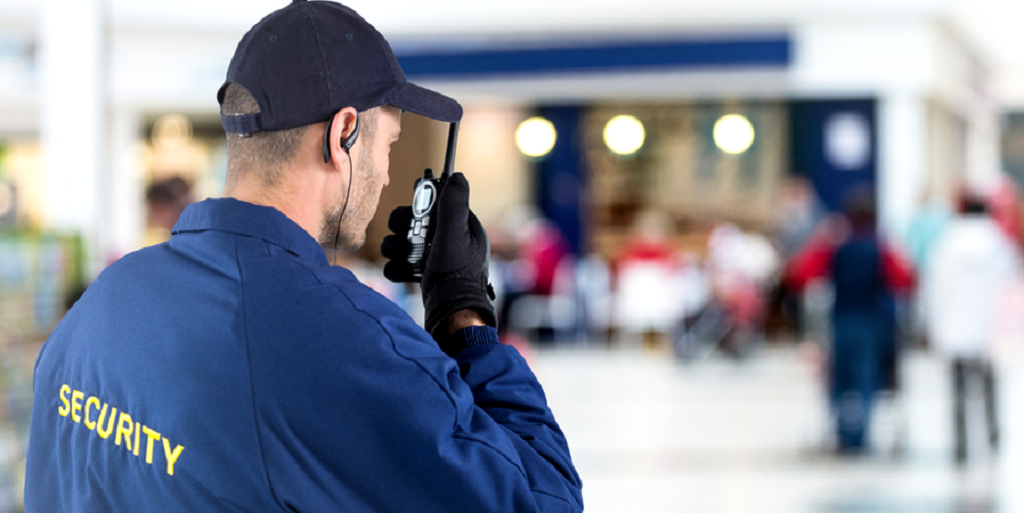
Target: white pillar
(125, 213)
(72, 96)
(983, 161)
(902, 160)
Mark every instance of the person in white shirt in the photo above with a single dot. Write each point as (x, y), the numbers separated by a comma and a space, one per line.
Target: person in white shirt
(971, 266)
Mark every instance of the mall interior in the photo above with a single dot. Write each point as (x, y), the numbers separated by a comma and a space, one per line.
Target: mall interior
(666, 187)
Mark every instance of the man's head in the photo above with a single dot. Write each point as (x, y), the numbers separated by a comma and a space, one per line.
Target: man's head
(165, 200)
(352, 202)
(974, 204)
(299, 68)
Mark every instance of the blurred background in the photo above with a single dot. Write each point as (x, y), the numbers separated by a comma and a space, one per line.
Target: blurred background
(762, 255)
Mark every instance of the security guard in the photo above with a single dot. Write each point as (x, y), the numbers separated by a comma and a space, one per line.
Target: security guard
(233, 369)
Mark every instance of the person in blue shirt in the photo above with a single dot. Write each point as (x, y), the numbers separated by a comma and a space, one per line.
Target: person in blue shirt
(234, 369)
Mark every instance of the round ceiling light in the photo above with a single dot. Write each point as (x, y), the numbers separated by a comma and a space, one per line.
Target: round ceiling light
(535, 137)
(624, 135)
(848, 141)
(733, 134)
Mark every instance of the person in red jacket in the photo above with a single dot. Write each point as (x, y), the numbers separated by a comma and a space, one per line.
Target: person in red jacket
(867, 275)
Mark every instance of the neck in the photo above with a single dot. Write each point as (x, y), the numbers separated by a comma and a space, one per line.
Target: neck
(292, 197)
(305, 187)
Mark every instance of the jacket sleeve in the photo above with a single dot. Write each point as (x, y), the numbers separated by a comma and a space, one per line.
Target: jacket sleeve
(364, 412)
(813, 261)
(899, 276)
(507, 391)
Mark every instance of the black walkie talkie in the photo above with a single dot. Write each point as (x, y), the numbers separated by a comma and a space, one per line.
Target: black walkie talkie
(424, 206)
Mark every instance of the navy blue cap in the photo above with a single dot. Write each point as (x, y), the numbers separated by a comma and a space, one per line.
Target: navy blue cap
(307, 61)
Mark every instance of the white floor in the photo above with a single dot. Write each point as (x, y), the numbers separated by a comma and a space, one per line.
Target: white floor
(651, 435)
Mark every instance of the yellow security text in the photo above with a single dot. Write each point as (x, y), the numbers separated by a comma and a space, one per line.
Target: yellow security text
(103, 418)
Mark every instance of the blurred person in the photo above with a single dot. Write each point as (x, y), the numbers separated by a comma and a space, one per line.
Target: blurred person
(927, 225)
(807, 275)
(541, 275)
(799, 212)
(866, 275)
(693, 291)
(649, 238)
(972, 265)
(740, 267)
(648, 302)
(544, 247)
(165, 201)
(513, 276)
(1005, 208)
(234, 369)
(594, 299)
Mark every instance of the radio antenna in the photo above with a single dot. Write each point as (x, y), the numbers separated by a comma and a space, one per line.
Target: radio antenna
(449, 156)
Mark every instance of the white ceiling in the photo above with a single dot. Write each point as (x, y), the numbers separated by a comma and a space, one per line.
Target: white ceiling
(992, 27)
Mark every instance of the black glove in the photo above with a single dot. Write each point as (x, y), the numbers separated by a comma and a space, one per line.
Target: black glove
(455, 275)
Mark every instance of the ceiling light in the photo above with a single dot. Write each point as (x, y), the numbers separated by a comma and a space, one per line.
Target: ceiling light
(535, 137)
(624, 135)
(733, 134)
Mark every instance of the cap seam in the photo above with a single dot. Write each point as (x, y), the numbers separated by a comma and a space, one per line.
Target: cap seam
(323, 59)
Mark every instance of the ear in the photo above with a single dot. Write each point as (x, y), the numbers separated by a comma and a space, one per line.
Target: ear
(341, 127)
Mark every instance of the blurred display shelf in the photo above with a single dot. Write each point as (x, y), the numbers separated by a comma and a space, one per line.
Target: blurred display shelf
(38, 271)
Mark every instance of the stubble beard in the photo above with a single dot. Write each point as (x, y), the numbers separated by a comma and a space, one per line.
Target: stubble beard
(348, 236)
(330, 226)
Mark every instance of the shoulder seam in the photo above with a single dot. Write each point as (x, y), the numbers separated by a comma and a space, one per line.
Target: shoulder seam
(393, 347)
(495, 449)
(553, 496)
(390, 338)
(455, 409)
(252, 388)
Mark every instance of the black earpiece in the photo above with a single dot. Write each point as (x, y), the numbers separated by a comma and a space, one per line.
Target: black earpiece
(346, 143)
(350, 141)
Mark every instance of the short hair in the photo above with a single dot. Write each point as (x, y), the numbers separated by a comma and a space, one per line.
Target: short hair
(265, 152)
(168, 192)
(859, 206)
(973, 204)
(262, 153)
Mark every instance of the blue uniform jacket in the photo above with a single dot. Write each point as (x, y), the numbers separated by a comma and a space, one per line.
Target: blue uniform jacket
(232, 369)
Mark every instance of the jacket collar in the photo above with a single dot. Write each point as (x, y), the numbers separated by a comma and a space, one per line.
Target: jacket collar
(239, 217)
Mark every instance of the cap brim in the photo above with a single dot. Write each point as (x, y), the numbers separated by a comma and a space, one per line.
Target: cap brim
(423, 101)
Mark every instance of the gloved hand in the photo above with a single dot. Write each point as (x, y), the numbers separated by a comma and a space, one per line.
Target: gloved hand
(455, 274)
